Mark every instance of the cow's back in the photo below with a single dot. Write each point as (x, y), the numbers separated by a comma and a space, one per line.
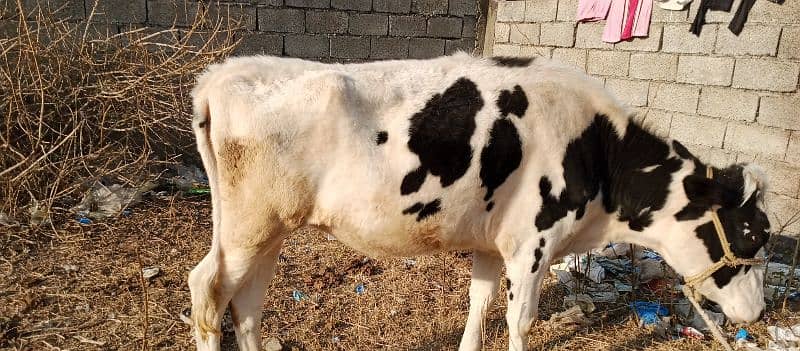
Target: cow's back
(400, 157)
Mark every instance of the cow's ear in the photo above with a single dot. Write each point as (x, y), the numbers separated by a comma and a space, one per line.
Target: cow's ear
(755, 182)
(705, 192)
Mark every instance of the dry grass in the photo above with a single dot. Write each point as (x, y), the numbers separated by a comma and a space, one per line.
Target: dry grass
(45, 306)
(80, 103)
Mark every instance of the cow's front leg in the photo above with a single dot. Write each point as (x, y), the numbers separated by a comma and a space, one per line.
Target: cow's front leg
(482, 291)
(525, 271)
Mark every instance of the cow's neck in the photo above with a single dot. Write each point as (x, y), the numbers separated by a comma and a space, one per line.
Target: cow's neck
(639, 179)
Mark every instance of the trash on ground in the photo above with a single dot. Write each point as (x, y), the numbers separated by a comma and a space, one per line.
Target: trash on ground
(581, 265)
(409, 262)
(602, 292)
(572, 316)
(150, 272)
(581, 300)
(618, 267)
(698, 322)
(272, 344)
(190, 179)
(84, 220)
(784, 334)
(649, 312)
(691, 333)
(360, 288)
(683, 308)
(652, 268)
(742, 334)
(298, 295)
(103, 201)
(658, 285)
(622, 287)
(38, 214)
(778, 274)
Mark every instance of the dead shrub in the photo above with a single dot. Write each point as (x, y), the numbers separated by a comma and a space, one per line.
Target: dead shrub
(80, 103)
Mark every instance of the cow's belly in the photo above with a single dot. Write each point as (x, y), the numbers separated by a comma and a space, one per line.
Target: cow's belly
(377, 234)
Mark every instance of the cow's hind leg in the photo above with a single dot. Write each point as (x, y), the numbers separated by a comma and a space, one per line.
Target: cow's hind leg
(486, 270)
(525, 272)
(234, 261)
(247, 304)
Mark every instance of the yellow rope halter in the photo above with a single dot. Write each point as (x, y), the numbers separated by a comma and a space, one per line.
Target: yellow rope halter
(728, 259)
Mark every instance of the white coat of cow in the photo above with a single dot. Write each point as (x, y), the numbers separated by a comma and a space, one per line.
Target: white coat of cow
(520, 160)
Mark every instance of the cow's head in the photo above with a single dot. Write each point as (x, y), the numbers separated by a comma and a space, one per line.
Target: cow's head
(736, 195)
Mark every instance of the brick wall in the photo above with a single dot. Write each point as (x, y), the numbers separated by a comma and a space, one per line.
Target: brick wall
(728, 98)
(328, 30)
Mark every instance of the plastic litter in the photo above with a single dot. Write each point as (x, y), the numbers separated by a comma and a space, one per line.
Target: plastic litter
(150, 272)
(649, 312)
(602, 292)
(652, 268)
(789, 335)
(572, 316)
(778, 274)
(409, 262)
(38, 214)
(622, 287)
(698, 322)
(191, 180)
(84, 220)
(298, 295)
(691, 333)
(742, 334)
(360, 288)
(581, 300)
(103, 201)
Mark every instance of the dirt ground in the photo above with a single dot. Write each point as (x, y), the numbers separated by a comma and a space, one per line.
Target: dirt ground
(78, 287)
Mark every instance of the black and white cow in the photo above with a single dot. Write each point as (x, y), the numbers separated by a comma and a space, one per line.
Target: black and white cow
(521, 160)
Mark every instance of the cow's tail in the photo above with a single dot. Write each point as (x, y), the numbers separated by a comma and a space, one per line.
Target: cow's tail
(204, 279)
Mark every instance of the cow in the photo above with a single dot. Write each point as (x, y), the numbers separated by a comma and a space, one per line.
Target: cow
(520, 160)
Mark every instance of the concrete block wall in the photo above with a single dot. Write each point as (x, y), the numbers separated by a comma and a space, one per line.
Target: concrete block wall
(326, 30)
(728, 98)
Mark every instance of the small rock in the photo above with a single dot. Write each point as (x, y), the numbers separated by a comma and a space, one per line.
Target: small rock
(150, 272)
(69, 268)
(409, 262)
(272, 344)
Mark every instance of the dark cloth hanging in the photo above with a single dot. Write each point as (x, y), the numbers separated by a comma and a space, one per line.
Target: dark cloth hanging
(737, 23)
(705, 6)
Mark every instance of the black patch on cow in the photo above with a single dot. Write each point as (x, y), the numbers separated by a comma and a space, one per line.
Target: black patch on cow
(489, 206)
(424, 211)
(381, 137)
(516, 102)
(202, 124)
(507, 61)
(413, 181)
(600, 160)
(553, 209)
(537, 255)
(510, 296)
(508, 283)
(439, 134)
(414, 208)
(501, 155)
